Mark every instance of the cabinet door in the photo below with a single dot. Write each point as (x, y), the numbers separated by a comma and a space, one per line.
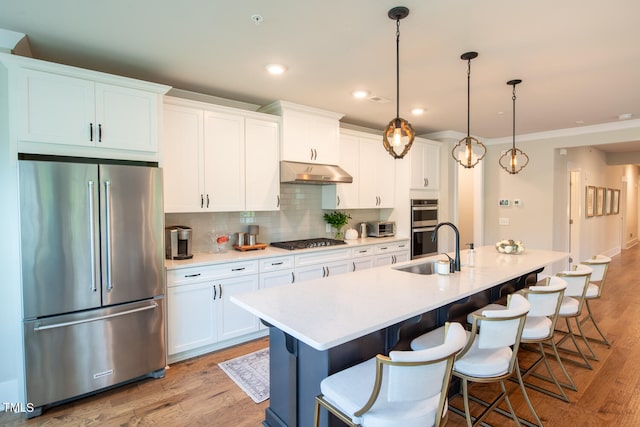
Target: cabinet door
(363, 263)
(190, 317)
(348, 195)
(310, 272)
(377, 175)
(262, 165)
(425, 166)
(385, 177)
(310, 138)
(127, 118)
(223, 162)
(182, 164)
(234, 320)
(339, 267)
(56, 109)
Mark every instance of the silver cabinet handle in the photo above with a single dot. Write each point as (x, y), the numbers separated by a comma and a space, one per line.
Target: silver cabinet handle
(215, 292)
(107, 196)
(238, 269)
(207, 201)
(338, 203)
(354, 266)
(324, 271)
(37, 328)
(92, 250)
(99, 132)
(192, 275)
(426, 182)
(277, 263)
(312, 154)
(293, 278)
(328, 271)
(91, 132)
(277, 200)
(220, 289)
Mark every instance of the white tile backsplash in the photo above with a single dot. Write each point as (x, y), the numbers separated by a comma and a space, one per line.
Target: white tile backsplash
(300, 217)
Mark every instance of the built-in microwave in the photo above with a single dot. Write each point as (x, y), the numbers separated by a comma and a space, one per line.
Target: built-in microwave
(381, 229)
(424, 212)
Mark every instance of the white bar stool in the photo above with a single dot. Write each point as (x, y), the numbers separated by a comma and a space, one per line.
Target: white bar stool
(600, 266)
(488, 355)
(407, 388)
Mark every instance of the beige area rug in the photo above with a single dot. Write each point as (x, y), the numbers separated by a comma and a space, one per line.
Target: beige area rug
(251, 373)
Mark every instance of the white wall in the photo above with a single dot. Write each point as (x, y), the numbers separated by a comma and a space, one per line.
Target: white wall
(542, 221)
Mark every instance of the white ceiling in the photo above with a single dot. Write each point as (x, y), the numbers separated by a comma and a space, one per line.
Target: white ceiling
(579, 59)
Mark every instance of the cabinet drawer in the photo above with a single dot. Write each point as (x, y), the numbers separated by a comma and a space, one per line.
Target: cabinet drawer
(216, 271)
(322, 257)
(392, 247)
(361, 251)
(276, 263)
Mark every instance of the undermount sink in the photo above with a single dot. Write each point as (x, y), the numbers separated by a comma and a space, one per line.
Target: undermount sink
(424, 268)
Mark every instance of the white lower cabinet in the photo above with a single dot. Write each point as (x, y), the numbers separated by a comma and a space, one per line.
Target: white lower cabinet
(199, 312)
(190, 317)
(274, 272)
(318, 265)
(391, 253)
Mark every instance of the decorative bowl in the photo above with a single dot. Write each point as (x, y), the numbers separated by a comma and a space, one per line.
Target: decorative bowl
(513, 247)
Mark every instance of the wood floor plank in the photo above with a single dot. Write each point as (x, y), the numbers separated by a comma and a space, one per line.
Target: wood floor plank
(197, 392)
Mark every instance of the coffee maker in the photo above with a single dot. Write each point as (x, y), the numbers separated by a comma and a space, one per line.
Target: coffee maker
(177, 241)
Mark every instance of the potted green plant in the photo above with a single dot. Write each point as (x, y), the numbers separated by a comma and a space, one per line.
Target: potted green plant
(337, 220)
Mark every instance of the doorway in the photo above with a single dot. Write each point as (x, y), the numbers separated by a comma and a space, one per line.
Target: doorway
(575, 215)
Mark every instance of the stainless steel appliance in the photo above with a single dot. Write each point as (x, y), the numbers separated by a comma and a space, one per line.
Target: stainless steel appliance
(312, 173)
(92, 276)
(308, 243)
(381, 229)
(424, 218)
(177, 240)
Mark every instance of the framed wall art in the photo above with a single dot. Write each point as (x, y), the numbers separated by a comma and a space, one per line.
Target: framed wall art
(615, 202)
(608, 192)
(599, 201)
(589, 200)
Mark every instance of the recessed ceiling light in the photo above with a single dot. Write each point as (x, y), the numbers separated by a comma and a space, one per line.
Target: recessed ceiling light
(417, 111)
(625, 116)
(579, 122)
(276, 69)
(360, 94)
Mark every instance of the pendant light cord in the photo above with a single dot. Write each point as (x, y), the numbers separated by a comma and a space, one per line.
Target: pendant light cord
(468, 98)
(397, 68)
(513, 98)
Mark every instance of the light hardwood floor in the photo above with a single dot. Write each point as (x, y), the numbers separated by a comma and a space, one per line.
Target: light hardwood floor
(197, 393)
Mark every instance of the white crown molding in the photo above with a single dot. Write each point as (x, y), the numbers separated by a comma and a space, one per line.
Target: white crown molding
(552, 134)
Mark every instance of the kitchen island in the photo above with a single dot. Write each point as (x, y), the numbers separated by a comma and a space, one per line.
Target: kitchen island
(322, 326)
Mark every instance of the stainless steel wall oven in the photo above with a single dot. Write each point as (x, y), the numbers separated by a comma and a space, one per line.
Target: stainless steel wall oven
(424, 218)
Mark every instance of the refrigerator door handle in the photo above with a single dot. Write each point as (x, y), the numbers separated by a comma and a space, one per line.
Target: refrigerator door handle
(92, 243)
(37, 328)
(107, 209)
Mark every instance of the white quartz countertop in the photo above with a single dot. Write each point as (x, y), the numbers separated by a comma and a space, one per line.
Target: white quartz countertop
(325, 313)
(232, 255)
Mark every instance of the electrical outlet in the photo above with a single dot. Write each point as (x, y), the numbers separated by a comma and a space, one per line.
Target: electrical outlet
(503, 221)
(327, 228)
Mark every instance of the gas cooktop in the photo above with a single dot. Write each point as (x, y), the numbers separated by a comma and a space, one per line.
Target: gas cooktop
(307, 243)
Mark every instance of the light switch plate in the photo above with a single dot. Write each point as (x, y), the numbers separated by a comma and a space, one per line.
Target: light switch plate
(503, 221)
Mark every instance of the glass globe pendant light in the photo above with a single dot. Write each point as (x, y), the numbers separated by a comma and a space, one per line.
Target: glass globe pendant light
(468, 151)
(399, 134)
(514, 159)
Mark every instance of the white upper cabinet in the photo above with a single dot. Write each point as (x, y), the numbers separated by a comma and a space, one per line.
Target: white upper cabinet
(262, 169)
(308, 134)
(219, 159)
(425, 165)
(183, 163)
(62, 109)
(363, 156)
(223, 157)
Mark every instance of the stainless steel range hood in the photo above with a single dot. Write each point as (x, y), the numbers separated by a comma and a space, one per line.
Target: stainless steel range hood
(311, 173)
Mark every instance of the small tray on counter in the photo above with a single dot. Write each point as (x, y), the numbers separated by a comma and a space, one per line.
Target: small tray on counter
(250, 247)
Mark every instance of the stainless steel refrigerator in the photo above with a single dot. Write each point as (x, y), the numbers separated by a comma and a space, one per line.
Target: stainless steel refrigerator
(92, 276)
